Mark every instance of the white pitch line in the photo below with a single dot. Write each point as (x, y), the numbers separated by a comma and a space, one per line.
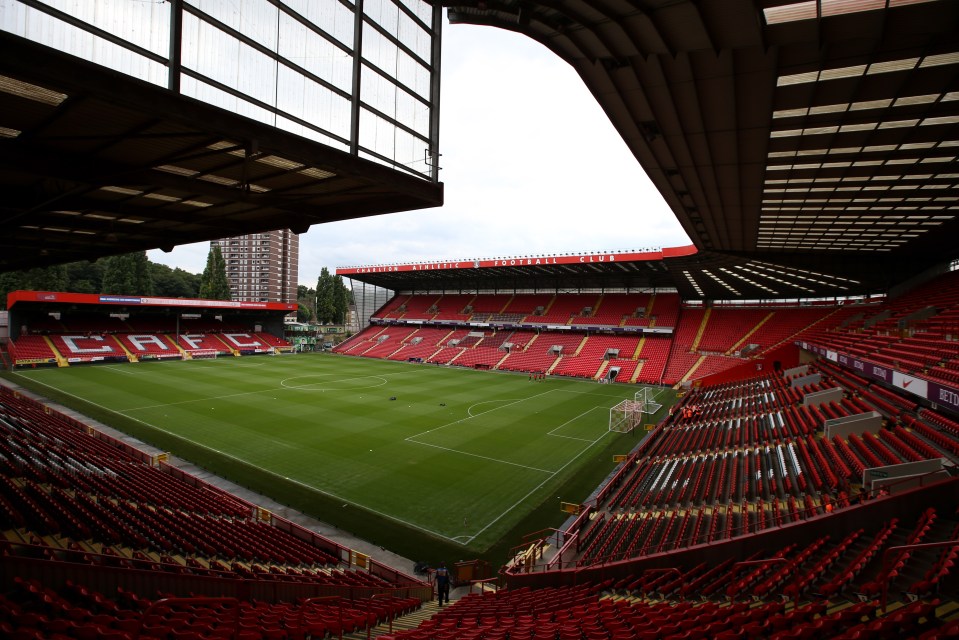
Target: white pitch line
(469, 411)
(555, 435)
(272, 473)
(282, 387)
(476, 455)
(450, 424)
(536, 488)
(117, 369)
(205, 399)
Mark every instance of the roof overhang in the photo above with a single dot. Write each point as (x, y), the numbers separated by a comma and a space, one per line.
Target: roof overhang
(822, 134)
(694, 274)
(94, 162)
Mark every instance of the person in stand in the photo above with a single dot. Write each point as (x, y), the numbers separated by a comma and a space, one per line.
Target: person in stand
(443, 583)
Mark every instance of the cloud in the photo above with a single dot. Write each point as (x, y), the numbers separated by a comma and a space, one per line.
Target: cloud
(531, 165)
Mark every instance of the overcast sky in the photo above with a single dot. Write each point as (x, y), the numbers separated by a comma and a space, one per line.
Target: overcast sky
(531, 165)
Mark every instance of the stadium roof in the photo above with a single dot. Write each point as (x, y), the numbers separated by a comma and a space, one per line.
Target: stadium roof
(94, 162)
(103, 302)
(693, 273)
(818, 135)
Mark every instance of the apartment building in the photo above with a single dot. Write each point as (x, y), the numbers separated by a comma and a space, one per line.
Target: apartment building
(262, 267)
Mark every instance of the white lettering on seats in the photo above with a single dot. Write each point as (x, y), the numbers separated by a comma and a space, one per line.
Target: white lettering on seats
(70, 341)
(192, 339)
(235, 339)
(139, 341)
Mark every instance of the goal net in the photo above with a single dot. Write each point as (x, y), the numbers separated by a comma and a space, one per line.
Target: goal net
(647, 398)
(204, 354)
(625, 416)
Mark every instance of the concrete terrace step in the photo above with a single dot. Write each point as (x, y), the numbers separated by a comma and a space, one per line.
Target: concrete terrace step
(403, 623)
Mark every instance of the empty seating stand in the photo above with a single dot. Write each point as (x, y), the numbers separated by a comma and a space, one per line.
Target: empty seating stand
(97, 504)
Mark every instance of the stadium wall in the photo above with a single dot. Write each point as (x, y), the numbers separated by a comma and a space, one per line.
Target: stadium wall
(787, 356)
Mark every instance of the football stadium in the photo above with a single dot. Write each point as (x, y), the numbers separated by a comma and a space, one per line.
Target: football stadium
(752, 436)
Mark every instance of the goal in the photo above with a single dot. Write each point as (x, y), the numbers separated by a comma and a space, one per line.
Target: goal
(647, 398)
(204, 354)
(625, 416)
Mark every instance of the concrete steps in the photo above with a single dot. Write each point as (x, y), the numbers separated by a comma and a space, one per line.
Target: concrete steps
(403, 623)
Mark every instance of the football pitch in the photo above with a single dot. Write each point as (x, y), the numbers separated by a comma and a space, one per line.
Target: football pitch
(459, 456)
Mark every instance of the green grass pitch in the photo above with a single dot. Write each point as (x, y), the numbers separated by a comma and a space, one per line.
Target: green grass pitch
(459, 459)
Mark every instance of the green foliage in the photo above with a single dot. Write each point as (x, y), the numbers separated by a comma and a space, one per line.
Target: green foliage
(127, 274)
(303, 313)
(342, 298)
(213, 282)
(40, 279)
(326, 298)
(84, 277)
(9, 281)
(175, 283)
(130, 274)
(306, 298)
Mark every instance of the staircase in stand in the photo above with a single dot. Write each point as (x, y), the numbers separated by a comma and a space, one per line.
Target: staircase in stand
(403, 623)
(602, 370)
(702, 330)
(751, 332)
(693, 368)
(123, 347)
(61, 361)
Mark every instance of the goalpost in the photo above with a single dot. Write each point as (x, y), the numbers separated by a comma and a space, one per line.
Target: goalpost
(625, 416)
(647, 399)
(203, 354)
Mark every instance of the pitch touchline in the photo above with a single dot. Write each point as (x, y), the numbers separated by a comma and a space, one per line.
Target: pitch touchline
(272, 473)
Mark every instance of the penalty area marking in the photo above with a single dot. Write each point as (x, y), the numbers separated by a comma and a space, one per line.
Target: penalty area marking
(536, 488)
(470, 413)
(476, 455)
(556, 435)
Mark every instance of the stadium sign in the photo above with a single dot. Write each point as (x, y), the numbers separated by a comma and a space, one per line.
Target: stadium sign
(643, 255)
(915, 385)
(92, 298)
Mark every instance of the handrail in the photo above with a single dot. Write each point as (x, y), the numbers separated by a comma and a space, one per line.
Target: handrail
(885, 570)
(369, 627)
(572, 541)
(169, 602)
(483, 580)
(301, 631)
(799, 574)
(897, 481)
(666, 570)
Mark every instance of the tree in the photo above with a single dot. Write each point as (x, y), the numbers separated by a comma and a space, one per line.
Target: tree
(175, 283)
(52, 278)
(10, 281)
(303, 313)
(341, 300)
(325, 298)
(213, 282)
(142, 274)
(127, 274)
(306, 297)
(84, 276)
(117, 275)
